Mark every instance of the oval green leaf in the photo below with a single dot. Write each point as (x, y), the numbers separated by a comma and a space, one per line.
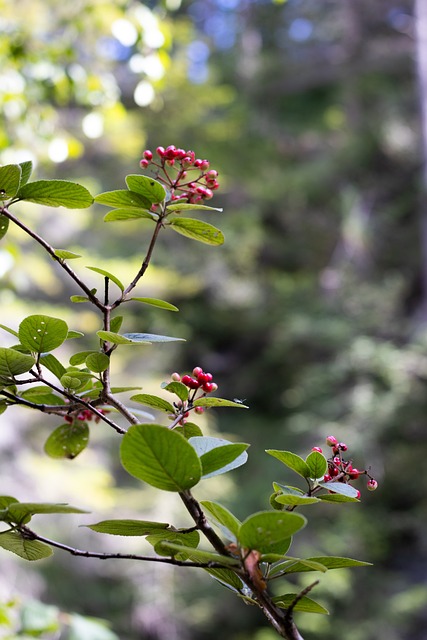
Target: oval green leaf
(42, 333)
(186, 206)
(147, 187)
(68, 440)
(303, 603)
(340, 487)
(119, 215)
(218, 402)
(160, 457)
(178, 389)
(56, 193)
(64, 254)
(218, 456)
(10, 178)
(27, 549)
(269, 531)
(154, 302)
(97, 362)
(197, 230)
(123, 199)
(291, 460)
(26, 170)
(109, 275)
(317, 464)
(127, 527)
(223, 518)
(13, 363)
(154, 402)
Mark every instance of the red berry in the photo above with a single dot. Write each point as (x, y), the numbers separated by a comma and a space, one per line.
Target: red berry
(160, 151)
(353, 473)
(143, 163)
(342, 446)
(318, 449)
(212, 175)
(197, 163)
(208, 194)
(331, 441)
(208, 387)
(204, 165)
(170, 152)
(197, 371)
(372, 484)
(358, 494)
(199, 410)
(186, 379)
(148, 155)
(327, 477)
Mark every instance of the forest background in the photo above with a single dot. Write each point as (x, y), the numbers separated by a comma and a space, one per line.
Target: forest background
(314, 311)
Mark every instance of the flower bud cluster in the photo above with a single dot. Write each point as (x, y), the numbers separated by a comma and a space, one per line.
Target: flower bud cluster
(198, 381)
(188, 178)
(341, 470)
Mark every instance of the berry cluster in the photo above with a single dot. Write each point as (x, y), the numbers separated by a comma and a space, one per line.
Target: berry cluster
(198, 381)
(189, 179)
(340, 470)
(85, 415)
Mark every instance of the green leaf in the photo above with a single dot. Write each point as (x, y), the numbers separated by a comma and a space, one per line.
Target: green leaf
(227, 577)
(56, 193)
(42, 395)
(147, 187)
(97, 362)
(10, 177)
(317, 464)
(123, 199)
(77, 299)
(196, 555)
(42, 333)
(292, 461)
(293, 565)
(26, 170)
(218, 456)
(13, 363)
(197, 230)
(127, 527)
(154, 402)
(223, 518)
(4, 226)
(304, 604)
(340, 487)
(119, 215)
(80, 357)
(68, 440)
(186, 206)
(20, 511)
(178, 389)
(116, 323)
(37, 618)
(71, 335)
(109, 275)
(189, 430)
(154, 302)
(27, 549)
(218, 402)
(330, 562)
(64, 254)
(288, 498)
(160, 457)
(53, 365)
(269, 531)
(115, 338)
(188, 539)
(151, 337)
(336, 497)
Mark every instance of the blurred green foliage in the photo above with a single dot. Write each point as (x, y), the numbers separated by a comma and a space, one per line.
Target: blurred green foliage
(312, 311)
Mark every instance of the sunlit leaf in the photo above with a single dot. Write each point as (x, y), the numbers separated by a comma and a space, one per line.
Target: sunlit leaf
(13, 363)
(178, 389)
(302, 604)
(119, 215)
(160, 457)
(109, 275)
(269, 531)
(42, 333)
(291, 460)
(317, 464)
(64, 254)
(155, 402)
(147, 187)
(154, 302)
(218, 456)
(218, 402)
(123, 199)
(56, 193)
(197, 230)
(10, 178)
(27, 549)
(222, 517)
(26, 170)
(186, 206)
(97, 362)
(127, 527)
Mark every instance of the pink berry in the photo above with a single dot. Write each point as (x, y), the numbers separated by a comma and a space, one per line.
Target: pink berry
(204, 165)
(358, 494)
(143, 163)
(327, 477)
(148, 155)
(176, 377)
(342, 446)
(331, 441)
(160, 151)
(197, 371)
(199, 410)
(318, 449)
(372, 485)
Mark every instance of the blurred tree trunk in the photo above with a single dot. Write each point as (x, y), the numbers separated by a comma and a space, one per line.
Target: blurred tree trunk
(421, 55)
